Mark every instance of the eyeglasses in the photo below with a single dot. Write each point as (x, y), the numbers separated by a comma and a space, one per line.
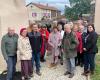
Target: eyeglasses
(89, 27)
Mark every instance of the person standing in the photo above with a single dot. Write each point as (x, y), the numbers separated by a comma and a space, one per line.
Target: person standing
(54, 41)
(69, 47)
(9, 51)
(25, 52)
(45, 34)
(90, 48)
(79, 58)
(62, 34)
(35, 39)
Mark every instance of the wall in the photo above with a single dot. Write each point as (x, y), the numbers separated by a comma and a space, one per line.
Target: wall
(97, 16)
(13, 13)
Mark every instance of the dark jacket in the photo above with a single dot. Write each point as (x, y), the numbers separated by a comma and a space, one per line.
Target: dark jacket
(9, 45)
(84, 34)
(91, 42)
(35, 41)
(69, 44)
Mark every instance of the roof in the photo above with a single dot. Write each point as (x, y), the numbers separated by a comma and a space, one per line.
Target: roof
(45, 7)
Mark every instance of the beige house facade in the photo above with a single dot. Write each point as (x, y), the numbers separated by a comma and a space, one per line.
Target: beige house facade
(39, 11)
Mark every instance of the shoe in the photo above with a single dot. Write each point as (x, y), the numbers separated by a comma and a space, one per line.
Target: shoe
(71, 75)
(92, 72)
(81, 65)
(38, 73)
(51, 65)
(43, 60)
(22, 78)
(66, 73)
(85, 73)
(61, 62)
(31, 75)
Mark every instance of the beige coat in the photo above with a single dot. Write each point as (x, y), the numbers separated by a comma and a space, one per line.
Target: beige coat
(24, 48)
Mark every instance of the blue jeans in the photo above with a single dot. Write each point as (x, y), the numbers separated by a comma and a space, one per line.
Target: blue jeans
(89, 61)
(36, 59)
(11, 67)
(70, 65)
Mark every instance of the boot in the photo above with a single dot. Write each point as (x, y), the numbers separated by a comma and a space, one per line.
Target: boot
(38, 73)
(92, 72)
(71, 75)
(85, 73)
(66, 73)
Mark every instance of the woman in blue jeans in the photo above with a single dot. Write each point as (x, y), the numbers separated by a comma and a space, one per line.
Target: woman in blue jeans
(90, 50)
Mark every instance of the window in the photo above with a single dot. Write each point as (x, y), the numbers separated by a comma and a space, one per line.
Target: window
(34, 14)
(46, 14)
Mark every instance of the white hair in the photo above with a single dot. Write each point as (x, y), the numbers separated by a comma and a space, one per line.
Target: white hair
(67, 25)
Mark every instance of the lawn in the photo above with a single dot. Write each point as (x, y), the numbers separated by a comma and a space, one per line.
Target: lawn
(96, 76)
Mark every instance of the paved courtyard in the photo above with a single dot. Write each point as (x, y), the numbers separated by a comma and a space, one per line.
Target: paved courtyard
(57, 73)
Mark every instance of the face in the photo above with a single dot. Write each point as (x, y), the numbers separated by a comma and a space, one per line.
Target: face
(43, 28)
(67, 28)
(55, 30)
(90, 28)
(24, 33)
(11, 31)
(85, 23)
(35, 28)
(80, 22)
(59, 27)
(81, 28)
(75, 28)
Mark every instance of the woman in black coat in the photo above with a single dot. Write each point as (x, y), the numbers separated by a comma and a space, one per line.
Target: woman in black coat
(90, 49)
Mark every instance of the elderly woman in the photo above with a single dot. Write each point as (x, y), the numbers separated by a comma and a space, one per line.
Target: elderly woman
(79, 58)
(69, 44)
(54, 41)
(25, 52)
(90, 49)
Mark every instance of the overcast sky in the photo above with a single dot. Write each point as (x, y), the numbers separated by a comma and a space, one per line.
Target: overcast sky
(60, 4)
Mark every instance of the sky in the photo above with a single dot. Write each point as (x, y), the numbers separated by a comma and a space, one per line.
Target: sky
(60, 4)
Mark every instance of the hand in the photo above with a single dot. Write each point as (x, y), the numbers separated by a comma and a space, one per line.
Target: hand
(62, 50)
(80, 51)
(43, 34)
(84, 49)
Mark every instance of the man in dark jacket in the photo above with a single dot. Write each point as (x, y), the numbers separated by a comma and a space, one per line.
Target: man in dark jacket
(9, 50)
(35, 38)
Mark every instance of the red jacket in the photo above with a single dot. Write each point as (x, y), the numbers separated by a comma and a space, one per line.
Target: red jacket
(79, 37)
(45, 39)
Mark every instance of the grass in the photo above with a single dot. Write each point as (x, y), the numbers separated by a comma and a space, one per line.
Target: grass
(96, 76)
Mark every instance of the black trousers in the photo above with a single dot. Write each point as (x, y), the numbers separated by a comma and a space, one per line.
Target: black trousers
(89, 61)
(79, 59)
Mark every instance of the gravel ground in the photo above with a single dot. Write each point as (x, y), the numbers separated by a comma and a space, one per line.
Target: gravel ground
(57, 73)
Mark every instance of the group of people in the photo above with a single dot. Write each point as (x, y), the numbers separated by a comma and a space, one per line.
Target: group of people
(76, 43)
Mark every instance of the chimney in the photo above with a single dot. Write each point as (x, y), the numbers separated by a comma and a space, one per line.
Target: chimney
(47, 4)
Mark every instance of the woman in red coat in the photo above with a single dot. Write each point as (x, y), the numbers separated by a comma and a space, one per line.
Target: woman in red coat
(79, 58)
(45, 35)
